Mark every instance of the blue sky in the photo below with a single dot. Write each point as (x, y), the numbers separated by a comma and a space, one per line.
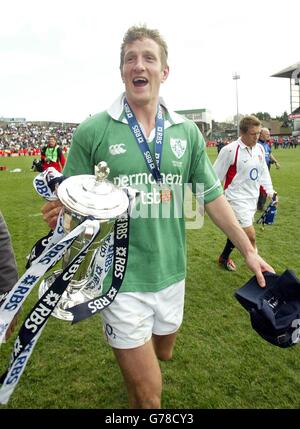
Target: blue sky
(60, 59)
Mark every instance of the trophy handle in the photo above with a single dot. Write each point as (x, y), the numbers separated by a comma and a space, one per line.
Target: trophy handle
(101, 171)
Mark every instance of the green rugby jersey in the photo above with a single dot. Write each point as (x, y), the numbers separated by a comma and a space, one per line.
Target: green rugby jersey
(157, 249)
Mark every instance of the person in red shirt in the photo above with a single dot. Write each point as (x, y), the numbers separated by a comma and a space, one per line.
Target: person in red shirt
(52, 155)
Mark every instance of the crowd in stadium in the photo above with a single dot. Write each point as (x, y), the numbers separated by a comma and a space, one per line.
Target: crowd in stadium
(287, 142)
(26, 138)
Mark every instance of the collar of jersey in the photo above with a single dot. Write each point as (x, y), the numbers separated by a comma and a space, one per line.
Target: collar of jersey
(116, 111)
(243, 145)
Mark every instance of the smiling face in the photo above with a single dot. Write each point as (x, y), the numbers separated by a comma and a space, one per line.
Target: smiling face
(142, 72)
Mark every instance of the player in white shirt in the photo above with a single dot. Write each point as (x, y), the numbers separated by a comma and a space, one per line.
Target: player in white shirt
(242, 166)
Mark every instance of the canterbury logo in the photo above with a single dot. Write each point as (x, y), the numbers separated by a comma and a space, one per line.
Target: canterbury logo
(117, 149)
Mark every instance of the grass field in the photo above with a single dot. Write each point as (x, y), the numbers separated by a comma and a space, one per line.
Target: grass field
(219, 361)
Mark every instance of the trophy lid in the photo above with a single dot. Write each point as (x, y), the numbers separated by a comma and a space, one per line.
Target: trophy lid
(93, 195)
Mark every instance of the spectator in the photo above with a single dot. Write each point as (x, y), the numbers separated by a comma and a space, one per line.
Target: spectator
(220, 144)
(264, 139)
(52, 155)
(8, 268)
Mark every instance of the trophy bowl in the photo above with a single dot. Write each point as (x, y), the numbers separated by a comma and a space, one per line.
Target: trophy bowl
(83, 196)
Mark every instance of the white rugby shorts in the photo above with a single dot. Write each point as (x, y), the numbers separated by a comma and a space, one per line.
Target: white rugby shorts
(244, 212)
(133, 317)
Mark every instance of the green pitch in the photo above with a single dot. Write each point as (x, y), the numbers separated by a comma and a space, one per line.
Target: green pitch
(219, 361)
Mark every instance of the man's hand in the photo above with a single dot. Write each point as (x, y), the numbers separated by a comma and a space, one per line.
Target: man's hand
(51, 211)
(275, 198)
(12, 326)
(258, 266)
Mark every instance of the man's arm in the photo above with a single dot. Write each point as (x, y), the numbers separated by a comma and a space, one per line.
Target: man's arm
(8, 269)
(266, 181)
(223, 216)
(272, 157)
(222, 163)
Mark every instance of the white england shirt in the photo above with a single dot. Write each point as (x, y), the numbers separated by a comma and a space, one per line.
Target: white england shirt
(243, 170)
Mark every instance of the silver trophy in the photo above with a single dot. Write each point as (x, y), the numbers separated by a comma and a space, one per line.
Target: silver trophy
(82, 196)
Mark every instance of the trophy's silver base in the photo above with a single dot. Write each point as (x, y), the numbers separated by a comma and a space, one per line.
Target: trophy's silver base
(73, 295)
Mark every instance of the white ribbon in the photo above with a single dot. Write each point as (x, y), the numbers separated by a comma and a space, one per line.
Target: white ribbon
(24, 286)
(18, 363)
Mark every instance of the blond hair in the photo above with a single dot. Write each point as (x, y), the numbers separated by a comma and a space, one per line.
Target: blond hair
(142, 32)
(248, 122)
